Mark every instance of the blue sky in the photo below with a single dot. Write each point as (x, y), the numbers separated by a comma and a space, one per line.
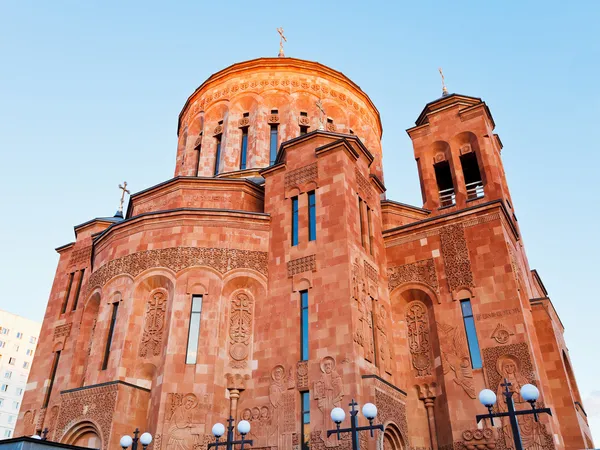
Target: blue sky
(90, 92)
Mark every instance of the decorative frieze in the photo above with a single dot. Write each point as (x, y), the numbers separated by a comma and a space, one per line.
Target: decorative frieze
(417, 272)
(304, 264)
(300, 176)
(456, 257)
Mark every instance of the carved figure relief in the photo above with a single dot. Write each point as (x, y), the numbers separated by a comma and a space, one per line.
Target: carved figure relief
(456, 257)
(455, 356)
(51, 425)
(282, 399)
(154, 323)
(417, 323)
(502, 334)
(328, 392)
(240, 328)
(363, 334)
(302, 375)
(185, 422)
(262, 431)
(417, 272)
(384, 353)
(29, 423)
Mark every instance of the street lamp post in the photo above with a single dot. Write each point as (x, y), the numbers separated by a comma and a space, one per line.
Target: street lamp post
(529, 393)
(145, 439)
(218, 430)
(338, 415)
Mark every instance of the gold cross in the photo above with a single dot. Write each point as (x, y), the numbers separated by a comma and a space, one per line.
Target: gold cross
(125, 190)
(444, 89)
(281, 39)
(320, 106)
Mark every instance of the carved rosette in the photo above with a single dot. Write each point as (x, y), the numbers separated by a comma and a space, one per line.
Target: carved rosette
(302, 375)
(244, 122)
(303, 121)
(479, 439)
(240, 329)
(417, 323)
(218, 130)
(273, 118)
(502, 334)
(154, 323)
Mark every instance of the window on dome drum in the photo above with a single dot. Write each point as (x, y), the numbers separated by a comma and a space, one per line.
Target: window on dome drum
(444, 183)
(312, 216)
(244, 150)
(217, 155)
(304, 325)
(198, 152)
(473, 181)
(273, 144)
(469, 321)
(111, 330)
(52, 377)
(303, 128)
(370, 230)
(78, 290)
(63, 309)
(361, 220)
(305, 397)
(294, 221)
(191, 354)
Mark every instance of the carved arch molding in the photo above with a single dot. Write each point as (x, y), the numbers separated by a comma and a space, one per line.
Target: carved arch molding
(177, 259)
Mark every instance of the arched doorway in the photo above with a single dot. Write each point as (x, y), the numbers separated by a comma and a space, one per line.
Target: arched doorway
(392, 439)
(83, 434)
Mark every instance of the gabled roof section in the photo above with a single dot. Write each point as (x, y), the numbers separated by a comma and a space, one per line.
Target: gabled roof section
(463, 101)
(97, 221)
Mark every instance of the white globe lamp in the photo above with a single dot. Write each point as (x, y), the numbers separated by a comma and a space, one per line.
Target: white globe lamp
(126, 441)
(218, 430)
(487, 397)
(530, 393)
(369, 410)
(338, 415)
(146, 439)
(243, 427)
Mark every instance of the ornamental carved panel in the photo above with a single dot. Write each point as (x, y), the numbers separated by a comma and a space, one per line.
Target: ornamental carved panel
(455, 356)
(29, 422)
(154, 324)
(417, 324)
(456, 257)
(177, 259)
(96, 404)
(300, 176)
(364, 186)
(391, 408)
(185, 422)
(417, 272)
(304, 264)
(80, 258)
(363, 331)
(240, 328)
(302, 376)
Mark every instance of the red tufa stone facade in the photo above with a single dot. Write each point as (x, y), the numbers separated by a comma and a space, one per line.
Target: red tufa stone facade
(386, 284)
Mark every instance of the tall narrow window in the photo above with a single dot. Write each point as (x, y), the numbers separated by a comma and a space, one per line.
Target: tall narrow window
(304, 325)
(244, 150)
(191, 354)
(370, 230)
(52, 376)
(473, 181)
(63, 309)
(198, 148)
(218, 155)
(273, 144)
(111, 331)
(305, 420)
(467, 313)
(361, 220)
(294, 221)
(78, 289)
(445, 184)
(312, 216)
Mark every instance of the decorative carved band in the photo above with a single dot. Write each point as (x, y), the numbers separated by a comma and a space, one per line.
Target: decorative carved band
(301, 175)
(177, 259)
(417, 272)
(300, 265)
(244, 122)
(364, 186)
(330, 127)
(62, 331)
(456, 257)
(81, 258)
(218, 130)
(371, 272)
(303, 121)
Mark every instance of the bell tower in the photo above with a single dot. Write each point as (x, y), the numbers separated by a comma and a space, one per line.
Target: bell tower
(458, 155)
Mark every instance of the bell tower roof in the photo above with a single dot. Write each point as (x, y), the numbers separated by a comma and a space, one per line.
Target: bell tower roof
(448, 101)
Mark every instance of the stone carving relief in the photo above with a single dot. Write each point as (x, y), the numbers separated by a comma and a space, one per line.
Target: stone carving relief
(300, 176)
(185, 419)
(498, 314)
(154, 324)
(390, 408)
(383, 346)
(177, 259)
(513, 363)
(417, 272)
(466, 148)
(40, 419)
(363, 334)
(51, 425)
(328, 391)
(240, 329)
(371, 272)
(502, 334)
(364, 186)
(29, 422)
(302, 375)
(97, 404)
(262, 430)
(80, 258)
(456, 257)
(455, 356)
(283, 403)
(480, 439)
(417, 323)
(62, 332)
(299, 265)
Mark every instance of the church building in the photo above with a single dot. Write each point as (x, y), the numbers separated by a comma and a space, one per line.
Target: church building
(272, 279)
